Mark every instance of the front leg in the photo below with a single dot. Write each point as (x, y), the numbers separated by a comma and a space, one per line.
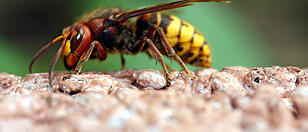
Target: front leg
(85, 57)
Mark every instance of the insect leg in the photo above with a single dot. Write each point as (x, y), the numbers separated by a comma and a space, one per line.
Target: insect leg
(169, 50)
(122, 62)
(86, 55)
(159, 57)
(170, 68)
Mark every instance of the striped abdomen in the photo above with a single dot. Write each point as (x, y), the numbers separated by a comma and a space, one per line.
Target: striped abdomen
(188, 43)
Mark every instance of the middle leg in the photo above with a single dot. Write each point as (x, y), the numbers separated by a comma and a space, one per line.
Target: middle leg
(122, 62)
(159, 57)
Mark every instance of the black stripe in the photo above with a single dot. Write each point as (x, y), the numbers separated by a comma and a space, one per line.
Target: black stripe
(180, 30)
(196, 60)
(165, 22)
(193, 36)
(187, 55)
(178, 48)
(204, 43)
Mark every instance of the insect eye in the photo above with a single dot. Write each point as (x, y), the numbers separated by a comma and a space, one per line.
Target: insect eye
(76, 40)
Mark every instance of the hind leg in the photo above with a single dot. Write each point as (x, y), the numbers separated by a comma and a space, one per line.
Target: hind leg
(169, 50)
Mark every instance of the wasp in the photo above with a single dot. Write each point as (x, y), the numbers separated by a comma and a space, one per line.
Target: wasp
(108, 30)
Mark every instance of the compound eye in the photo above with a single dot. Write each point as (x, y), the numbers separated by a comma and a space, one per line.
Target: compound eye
(76, 40)
(80, 39)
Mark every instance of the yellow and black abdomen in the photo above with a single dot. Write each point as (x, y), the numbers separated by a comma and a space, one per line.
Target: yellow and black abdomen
(188, 43)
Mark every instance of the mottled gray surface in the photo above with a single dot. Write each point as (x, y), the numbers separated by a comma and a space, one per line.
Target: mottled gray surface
(234, 99)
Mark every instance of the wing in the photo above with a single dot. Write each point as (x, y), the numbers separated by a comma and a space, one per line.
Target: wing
(100, 12)
(160, 7)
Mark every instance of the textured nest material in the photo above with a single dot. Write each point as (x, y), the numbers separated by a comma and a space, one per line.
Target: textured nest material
(234, 99)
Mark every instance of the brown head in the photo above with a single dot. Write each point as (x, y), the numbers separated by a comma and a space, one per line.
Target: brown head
(75, 41)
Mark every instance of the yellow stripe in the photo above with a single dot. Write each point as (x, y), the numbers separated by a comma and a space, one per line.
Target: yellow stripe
(198, 40)
(207, 63)
(187, 32)
(174, 27)
(206, 50)
(173, 41)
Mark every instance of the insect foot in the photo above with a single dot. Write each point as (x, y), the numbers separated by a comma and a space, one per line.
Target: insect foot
(89, 83)
(65, 77)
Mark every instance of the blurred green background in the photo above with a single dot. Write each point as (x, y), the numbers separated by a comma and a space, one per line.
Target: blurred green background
(244, 33)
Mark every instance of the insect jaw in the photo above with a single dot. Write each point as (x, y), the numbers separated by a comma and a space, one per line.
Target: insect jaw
(67, 44)
(69, 57)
